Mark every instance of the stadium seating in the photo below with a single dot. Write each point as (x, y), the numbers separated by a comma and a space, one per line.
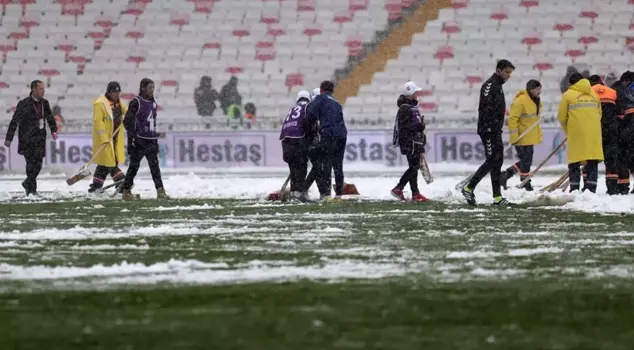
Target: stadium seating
(274, 47)
(458, 51)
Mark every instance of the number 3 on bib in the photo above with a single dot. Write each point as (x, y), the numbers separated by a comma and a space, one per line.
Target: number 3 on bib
(294, 113)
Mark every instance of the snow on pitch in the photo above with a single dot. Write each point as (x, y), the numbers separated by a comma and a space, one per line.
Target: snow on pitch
(242, 184)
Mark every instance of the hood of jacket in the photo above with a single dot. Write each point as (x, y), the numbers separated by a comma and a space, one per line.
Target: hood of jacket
(582, 86)
(402, 100)
(521, 93)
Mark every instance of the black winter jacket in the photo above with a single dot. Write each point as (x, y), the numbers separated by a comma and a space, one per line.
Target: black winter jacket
(409, 127)
(492, 106)
(31, 137)
(328, 112)
(625, 100)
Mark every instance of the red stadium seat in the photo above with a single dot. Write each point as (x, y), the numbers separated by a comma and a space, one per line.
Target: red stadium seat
(305, 5)
(294, 79)
(451, 27)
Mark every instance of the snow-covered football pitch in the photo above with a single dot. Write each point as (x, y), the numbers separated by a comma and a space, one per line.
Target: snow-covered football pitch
(218, 267)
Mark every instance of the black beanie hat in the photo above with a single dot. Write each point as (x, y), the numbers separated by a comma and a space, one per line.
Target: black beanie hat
(113, 86)
(532, 84)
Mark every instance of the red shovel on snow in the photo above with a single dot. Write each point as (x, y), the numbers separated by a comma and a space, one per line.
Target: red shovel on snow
(281, 194)
(348, 190)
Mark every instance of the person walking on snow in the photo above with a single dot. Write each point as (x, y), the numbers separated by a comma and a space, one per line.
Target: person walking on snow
(108, 112)
(410, 138)
(580, 118)
(490, 123)
(525, 112)
(140, 123)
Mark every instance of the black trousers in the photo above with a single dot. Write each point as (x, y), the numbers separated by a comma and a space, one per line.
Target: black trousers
(333, 151)
(101, 172)
(611, 135)
(411, 174)
(295, 154)
(625, 159)
(525, 154)
(34, 159)
(494, 153)
(590, 176)
(314, 155)
(137, 150)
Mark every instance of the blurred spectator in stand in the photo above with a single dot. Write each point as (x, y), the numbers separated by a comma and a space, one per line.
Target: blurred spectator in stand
(234, 116)
(59, 120)
(610, 79)
(249, 115)
(205, 97)
(229, 95)
(565, 84)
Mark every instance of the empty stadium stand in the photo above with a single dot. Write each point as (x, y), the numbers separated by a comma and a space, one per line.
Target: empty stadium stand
(276, 47)
(457, 51)
(273, 47)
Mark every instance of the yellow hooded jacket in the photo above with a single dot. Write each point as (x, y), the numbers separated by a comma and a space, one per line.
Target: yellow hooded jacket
(580, 118)
(102, 130)
(522, 116)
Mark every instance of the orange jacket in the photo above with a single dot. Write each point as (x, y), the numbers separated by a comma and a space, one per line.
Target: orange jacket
(606, 94)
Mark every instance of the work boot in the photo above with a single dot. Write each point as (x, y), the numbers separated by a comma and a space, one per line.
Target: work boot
(127, 195)
(528, 186)
(93, 187)
(26, 188)
(160, 194)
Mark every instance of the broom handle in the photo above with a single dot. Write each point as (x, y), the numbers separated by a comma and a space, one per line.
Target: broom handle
(286, 183)
(101, 148)
(542, 163)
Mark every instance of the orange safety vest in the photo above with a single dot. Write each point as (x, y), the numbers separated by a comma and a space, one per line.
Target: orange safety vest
(606, 94)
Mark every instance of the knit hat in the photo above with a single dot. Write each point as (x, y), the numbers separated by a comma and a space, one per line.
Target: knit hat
(113, 86)
(532, 84)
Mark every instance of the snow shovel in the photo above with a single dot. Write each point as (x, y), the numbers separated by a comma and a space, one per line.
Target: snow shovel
(281, 194)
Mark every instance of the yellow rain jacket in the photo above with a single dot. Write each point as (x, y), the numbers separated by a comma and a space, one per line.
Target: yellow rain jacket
(580, 118)
(102, 130)
(522, 116)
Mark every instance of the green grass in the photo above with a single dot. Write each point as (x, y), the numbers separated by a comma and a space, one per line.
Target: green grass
(455, 277)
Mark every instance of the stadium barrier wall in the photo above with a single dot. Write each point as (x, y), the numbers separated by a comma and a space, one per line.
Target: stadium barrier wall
(263, 149)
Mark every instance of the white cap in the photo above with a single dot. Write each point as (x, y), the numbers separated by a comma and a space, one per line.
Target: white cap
(303, 94)
(410, 88)
(316, 92)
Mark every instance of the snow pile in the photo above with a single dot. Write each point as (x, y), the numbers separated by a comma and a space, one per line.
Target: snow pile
(258, 183)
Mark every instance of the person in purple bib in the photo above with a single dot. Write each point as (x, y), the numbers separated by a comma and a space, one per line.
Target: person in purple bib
(294, 145)
(140, 124)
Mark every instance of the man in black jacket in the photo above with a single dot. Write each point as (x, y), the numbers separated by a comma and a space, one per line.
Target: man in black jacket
(490, 123)
(409, 136)
(609, 133)
(333, 135)
(30, 117)
(625, 112)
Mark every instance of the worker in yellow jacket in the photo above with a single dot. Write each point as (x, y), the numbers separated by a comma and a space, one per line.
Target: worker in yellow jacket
(107, 136)
(524, 115)
(580, 118)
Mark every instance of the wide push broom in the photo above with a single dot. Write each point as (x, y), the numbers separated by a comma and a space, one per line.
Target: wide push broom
(84, 172)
